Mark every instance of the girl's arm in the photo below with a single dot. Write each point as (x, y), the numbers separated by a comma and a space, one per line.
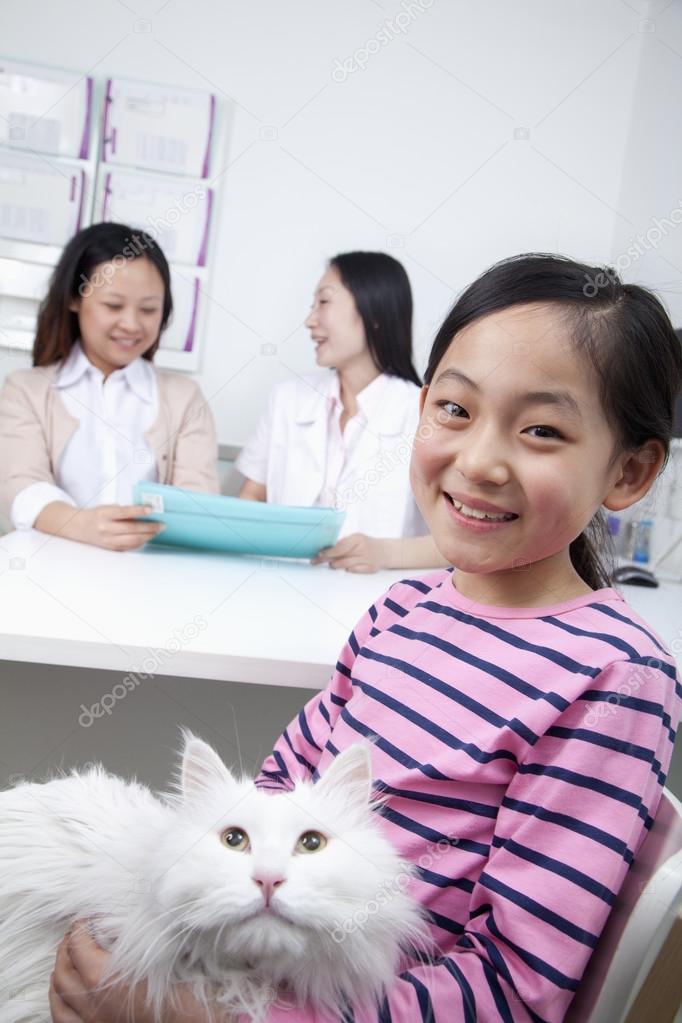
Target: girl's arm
(300, 747)
(74, 996)
(361, 553)
(570, 823)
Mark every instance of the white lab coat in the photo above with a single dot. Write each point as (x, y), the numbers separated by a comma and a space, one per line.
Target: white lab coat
(288, 453)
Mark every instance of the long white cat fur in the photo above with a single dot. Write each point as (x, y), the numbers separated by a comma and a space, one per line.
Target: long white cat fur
(175, 904)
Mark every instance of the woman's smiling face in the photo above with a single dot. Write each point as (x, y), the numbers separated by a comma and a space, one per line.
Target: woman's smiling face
(120, 317)
(512, 428)
(335, 324)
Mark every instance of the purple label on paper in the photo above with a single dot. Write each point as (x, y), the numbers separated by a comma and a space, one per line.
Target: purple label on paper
(80, 204)
(189, 342)
(201, 258)
(85, 141)
(211, 119)
(105, 128)
(107, 193)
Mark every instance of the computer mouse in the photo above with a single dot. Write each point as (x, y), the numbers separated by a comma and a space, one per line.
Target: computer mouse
(634, 575)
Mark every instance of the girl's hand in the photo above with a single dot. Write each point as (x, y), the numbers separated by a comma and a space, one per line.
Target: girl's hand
(79, 968)
(113, 526)
(355, 553)
(74, 997)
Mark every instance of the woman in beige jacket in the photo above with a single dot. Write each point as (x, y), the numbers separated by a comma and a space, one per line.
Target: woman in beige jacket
(94, 416)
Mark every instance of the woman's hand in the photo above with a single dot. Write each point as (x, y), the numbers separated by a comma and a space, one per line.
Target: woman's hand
(356, 553)
(74, 997)
(114, 526)
(360, 553)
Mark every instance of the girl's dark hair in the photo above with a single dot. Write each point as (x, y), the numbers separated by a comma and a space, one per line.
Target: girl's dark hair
(57, 327)
(621, 329)
(383, 298)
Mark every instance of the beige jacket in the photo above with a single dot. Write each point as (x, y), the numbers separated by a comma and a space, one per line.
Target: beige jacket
(35, 427)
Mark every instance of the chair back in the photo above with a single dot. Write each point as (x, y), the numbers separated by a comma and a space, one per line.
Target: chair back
(638, 925)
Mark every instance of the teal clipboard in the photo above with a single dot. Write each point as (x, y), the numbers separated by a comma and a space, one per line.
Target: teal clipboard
(213, 522)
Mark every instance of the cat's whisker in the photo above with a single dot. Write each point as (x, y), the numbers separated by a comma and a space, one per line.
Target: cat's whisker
(219, 935)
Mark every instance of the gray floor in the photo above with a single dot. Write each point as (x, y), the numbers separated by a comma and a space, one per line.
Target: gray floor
(45, 724)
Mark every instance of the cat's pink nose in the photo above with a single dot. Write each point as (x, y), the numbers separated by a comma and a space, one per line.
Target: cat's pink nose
(267, 884)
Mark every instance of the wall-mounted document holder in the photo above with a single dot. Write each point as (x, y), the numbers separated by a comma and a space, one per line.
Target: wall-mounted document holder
(175, 211)
(158, 127)
(150, 174)
(24, 285)
(45, 110)
(39, 202)
(179, 340)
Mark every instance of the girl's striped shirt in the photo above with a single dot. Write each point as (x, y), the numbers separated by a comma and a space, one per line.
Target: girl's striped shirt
(523, 752)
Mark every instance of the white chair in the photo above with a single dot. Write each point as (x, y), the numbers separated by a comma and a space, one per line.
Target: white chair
(635, 972)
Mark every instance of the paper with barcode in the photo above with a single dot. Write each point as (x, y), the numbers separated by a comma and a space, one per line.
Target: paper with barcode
(158, 127)
(45, 110)
(176, 211)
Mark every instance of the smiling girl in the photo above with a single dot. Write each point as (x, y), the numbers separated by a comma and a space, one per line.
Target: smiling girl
(479, 685)
(94, 416)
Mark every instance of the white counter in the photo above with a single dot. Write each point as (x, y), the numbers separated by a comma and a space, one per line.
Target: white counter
(173, 612)
(201, 615)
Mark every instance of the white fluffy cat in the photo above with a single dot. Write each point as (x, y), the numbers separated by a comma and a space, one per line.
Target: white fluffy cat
(233, 889)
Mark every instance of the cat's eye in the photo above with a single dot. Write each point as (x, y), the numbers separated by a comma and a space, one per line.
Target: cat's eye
(311, 841)
(235, 838)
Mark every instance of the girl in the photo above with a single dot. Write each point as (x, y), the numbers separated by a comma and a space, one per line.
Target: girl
(94, 416)
(523, 715)
(343, 437)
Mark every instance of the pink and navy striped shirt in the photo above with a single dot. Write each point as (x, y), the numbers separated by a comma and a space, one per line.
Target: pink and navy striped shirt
(523, 752)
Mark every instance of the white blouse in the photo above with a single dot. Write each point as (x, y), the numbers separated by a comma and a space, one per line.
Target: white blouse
(107, 453)
(303, 458)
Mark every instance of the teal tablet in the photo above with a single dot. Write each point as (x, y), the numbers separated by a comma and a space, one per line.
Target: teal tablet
(217, 523)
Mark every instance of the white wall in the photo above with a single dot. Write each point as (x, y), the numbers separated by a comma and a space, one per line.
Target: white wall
(416, 154)
(648, 245)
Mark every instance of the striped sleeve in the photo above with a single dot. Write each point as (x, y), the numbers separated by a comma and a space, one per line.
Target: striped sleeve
(570, 823)
(298, 750)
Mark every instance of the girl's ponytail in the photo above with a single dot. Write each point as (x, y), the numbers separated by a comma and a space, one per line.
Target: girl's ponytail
(592, 553)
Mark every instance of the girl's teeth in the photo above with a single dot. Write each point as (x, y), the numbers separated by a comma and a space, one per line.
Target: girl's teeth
(474, 513)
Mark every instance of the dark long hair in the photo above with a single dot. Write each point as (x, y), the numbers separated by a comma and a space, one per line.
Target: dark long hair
(383, 298)
(621, 329)
(57, 328)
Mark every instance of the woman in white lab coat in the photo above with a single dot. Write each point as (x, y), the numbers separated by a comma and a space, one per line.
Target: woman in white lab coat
(342, 437)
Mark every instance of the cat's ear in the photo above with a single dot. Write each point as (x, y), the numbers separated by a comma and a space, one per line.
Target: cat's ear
(350, 775)
(202, 769)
